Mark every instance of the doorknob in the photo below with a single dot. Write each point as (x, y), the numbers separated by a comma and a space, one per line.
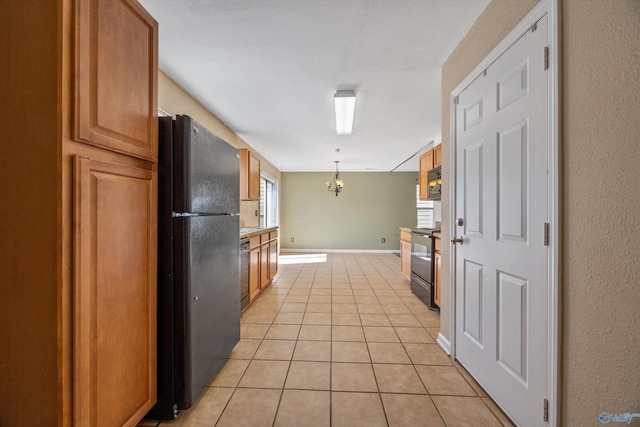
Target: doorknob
(459, 240)
(459, 222)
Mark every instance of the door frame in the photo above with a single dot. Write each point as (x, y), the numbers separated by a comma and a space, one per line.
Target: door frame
(551, 9)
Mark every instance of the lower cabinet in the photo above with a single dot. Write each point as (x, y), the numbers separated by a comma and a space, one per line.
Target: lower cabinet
(405, 253)
(263, 262)
(114, 292)
(273, 258)
(254, 267)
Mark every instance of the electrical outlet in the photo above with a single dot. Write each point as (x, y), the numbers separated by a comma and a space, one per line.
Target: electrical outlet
(384, 240)
(292, 239)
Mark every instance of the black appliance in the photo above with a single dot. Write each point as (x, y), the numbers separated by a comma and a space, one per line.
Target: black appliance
(198, 261)
(422, 265)
(434, 184)
(244, 273)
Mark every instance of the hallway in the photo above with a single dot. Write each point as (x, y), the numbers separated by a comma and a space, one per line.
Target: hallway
(340, 340)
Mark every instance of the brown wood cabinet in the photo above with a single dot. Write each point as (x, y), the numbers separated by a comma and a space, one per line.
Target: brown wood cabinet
(437, 156)
(428, 161)
(265, 279)
(254, 267)
(78, 262)
(405, 253)
(273, 254)
(437, 259)
(249, 175)
(426, 164)
(263, 262)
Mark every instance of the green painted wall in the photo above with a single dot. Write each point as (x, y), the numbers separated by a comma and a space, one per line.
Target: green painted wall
(372, 205)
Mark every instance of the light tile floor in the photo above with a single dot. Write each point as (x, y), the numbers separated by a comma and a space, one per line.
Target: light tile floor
(341, 342)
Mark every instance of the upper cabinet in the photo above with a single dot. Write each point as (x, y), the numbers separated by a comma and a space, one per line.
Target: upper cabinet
(116, 65)
(437, 155)
(429, 160)
(249, 175)
(426, 164)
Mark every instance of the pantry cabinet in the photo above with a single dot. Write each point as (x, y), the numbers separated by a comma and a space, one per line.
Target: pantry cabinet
(79, 247)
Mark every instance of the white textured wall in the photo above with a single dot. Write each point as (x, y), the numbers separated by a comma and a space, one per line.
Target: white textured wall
(601, 203)
(600, 144)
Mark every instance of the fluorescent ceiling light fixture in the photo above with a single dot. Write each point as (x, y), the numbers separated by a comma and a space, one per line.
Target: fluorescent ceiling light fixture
(345, 109)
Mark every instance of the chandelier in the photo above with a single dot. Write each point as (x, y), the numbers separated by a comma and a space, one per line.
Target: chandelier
(337, 184)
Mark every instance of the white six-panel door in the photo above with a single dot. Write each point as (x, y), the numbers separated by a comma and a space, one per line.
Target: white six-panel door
(501, 273)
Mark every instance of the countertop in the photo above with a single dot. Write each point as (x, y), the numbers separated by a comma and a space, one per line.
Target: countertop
(255, 231)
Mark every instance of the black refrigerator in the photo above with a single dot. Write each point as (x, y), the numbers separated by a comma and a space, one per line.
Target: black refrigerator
(198, 261)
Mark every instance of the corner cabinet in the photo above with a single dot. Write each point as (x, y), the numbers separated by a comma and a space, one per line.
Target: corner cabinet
(84, 77)
(249, 175)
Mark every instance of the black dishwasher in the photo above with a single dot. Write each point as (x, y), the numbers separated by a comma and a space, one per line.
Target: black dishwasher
(244, 273)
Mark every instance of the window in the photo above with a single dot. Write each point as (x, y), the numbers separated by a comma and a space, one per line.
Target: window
(425, 211)
(268, 202)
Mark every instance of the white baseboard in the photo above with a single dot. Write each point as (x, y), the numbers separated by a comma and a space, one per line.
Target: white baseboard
(444, 343)
(354, 251)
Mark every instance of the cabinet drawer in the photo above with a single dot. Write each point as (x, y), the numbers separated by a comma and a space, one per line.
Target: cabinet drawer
(437, 244)
(273, 235)
(264, 237)
(254, 242)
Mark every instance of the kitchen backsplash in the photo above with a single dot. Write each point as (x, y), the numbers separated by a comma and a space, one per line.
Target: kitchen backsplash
(250, 213)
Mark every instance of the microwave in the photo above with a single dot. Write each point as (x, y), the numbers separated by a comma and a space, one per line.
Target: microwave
(434, 184)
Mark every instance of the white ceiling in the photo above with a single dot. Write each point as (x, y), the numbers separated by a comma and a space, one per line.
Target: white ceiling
(269, 69)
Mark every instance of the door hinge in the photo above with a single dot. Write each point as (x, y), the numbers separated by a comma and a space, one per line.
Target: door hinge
(546, 234)
(545, 409)
(534, 27)
(546, 57)
(455, 100)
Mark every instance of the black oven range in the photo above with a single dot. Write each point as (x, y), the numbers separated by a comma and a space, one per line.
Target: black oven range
(422, 266)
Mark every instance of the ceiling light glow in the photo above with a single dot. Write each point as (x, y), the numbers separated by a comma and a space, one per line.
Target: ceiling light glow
(345, 101)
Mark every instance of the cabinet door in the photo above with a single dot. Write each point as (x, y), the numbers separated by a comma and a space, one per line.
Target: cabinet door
(437, 259)
(264, 266)
(426, 164)
(116, 64)
(437, 156)
(254, 177)
(114, 293)
(254, 273)
(249, 176)
(273, 258)
(405, 259)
